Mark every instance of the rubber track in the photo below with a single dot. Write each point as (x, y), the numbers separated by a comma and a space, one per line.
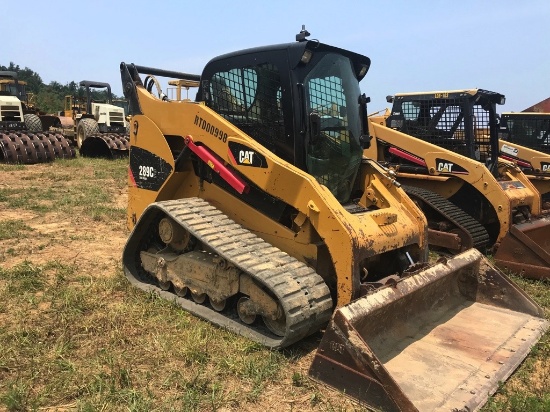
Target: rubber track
(451, 212)
(29, 148)
(301, 292)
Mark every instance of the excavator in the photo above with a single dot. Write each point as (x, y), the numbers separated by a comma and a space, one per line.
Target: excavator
(444, 148)
(253, 208)
(524, 138)
(22, 140)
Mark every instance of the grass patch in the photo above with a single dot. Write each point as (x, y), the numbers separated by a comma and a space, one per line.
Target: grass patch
(13, 229)
(77, 187)
(23, 278)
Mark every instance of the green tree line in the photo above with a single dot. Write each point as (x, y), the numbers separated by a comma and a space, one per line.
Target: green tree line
(50, 98)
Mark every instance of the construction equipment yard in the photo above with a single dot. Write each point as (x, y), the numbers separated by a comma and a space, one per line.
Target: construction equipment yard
(270, 245)
(75, 335)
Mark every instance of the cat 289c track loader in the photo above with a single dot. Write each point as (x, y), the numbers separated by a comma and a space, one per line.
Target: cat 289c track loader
(444, 148)
(252, 209)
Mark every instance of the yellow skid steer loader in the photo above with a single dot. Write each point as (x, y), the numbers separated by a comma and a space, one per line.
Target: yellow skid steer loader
(253, 207)
(444, 148)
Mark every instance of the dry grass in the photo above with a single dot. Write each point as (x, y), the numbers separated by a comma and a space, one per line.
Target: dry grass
(75, 336)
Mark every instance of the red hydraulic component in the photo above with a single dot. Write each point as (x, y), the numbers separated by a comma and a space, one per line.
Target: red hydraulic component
(521, 163)
(212, 160)
(407, 156)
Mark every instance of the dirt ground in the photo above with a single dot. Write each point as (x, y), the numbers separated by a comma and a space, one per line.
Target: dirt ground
(95, 247)
(71, 238)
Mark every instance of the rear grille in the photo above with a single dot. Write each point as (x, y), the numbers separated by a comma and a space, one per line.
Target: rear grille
(11, 113)
(452, 124)
(529, 131)
(116, 117)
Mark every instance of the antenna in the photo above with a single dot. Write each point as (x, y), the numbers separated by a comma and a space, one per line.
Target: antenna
(303, 34)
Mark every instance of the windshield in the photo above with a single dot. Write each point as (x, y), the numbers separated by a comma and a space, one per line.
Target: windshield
(122, 103)
(332, 91)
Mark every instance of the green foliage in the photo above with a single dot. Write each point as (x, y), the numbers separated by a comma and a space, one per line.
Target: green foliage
(33, 79)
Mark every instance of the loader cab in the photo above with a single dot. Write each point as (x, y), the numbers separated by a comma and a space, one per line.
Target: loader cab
(464, 121)
(11, 86)
(301, 100)
(531, 130)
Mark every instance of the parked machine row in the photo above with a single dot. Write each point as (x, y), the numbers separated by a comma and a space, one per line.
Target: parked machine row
(444, 146)
(22, 136)
(97, 129)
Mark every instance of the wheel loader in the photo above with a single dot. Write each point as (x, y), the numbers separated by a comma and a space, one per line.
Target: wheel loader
(254, 208)
(21, 137)
(524, 138)
(444, 148)
(99, 128)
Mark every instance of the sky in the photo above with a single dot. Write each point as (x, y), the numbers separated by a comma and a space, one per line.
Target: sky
(414, 46)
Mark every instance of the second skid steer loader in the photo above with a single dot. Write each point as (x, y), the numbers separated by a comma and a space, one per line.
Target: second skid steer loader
(444, 147)
(524, 138)
(253, 207)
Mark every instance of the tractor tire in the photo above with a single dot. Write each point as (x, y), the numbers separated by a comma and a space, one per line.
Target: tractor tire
(86, 128)
(33, 123)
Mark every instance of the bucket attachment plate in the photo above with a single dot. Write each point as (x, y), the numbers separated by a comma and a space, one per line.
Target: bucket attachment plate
(525, 250)
(438, 340)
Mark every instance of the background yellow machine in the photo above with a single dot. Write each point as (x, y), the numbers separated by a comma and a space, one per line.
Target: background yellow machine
(444, 147)
(254, 208)
(524, 138)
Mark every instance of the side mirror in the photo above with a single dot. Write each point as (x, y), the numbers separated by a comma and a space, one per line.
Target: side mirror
(365, 138)
(365, 141)
(314, 127)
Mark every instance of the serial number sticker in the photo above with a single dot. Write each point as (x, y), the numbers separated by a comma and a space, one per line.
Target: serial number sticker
(512, 151)
(209, 128)
(513, 184)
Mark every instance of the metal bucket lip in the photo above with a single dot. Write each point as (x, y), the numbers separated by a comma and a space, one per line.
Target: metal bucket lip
(525, 249)
(535, 223)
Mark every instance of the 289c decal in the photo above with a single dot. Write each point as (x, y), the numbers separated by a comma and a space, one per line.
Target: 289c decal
(146, 172)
